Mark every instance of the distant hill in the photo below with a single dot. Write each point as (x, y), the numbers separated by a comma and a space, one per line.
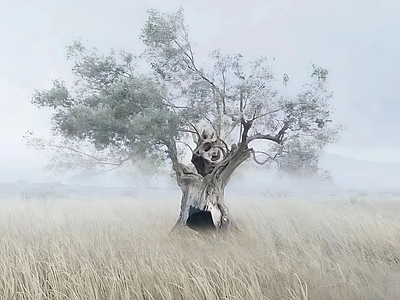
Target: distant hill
(353, 173)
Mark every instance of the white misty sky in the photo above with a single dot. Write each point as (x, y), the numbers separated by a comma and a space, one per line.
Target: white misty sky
(357, 41)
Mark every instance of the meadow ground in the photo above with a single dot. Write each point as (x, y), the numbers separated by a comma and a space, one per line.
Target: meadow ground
(289, 248)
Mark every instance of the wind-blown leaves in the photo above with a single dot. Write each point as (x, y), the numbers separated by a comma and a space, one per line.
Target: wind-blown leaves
(116, 109)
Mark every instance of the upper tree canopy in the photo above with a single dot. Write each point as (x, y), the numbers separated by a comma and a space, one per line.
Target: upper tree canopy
(125, 115)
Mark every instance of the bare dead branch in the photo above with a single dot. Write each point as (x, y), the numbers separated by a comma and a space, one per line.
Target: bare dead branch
(186, 144)
(246, 127)
(192, 66)
(196, 133)
(259, 136)
(232, 128)
(116, 166)
(265, 114)
(173, 155)
(187, 130)
(241, 102)
(269, 157)
(278, 138)
(195, 128)
(223, 89)
(98, 160)
(183, 51)
(225, 145)
(173, 106)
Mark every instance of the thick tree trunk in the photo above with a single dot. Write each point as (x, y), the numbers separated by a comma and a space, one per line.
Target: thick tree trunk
(202, 204)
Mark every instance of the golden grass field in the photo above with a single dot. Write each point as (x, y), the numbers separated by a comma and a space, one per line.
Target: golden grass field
(121, 249)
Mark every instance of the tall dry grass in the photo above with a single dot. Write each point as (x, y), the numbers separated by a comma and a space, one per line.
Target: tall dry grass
(121, 249)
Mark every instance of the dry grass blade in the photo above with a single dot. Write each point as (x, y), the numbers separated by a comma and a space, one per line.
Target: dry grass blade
(121, 249)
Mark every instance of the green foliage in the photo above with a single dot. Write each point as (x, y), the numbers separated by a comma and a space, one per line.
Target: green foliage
(108, 106)
(125, 115)
(300, 158)
(232, 89)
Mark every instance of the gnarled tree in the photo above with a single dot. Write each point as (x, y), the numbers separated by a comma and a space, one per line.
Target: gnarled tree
(225, 111)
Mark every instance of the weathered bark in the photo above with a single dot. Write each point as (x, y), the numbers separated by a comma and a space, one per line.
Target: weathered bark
(202, 204)
(202, 198)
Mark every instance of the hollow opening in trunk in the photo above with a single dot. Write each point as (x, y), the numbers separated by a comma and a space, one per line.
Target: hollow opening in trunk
(200, 220)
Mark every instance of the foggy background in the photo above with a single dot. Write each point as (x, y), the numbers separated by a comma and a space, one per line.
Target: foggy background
(357, 41)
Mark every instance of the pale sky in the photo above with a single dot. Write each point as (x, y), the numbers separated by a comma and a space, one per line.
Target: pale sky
(358, 41)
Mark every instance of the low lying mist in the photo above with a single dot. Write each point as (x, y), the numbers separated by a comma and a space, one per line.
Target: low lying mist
(349, 176)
